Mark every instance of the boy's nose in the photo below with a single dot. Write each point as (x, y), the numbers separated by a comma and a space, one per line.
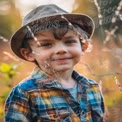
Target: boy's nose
(60, 49)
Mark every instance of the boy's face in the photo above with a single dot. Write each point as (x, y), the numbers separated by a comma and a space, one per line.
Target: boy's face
(60, 55)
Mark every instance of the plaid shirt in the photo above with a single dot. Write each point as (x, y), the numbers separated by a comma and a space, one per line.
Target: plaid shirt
(40, 98)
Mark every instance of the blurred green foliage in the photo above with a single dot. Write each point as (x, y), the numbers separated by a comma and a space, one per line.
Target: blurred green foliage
(7, 72)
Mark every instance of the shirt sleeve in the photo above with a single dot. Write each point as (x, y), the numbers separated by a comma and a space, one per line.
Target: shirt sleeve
(96, 102)
(17, 107)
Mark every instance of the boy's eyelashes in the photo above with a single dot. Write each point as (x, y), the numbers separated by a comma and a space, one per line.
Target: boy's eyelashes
(46, 44)
(70, 41)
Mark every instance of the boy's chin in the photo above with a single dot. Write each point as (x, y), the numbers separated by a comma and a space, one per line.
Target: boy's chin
(57, 68)
(62, 69)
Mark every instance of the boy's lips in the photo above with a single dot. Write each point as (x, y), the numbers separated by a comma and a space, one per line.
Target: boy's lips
(62, 59)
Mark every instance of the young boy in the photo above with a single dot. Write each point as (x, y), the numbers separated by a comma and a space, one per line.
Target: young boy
(54, 40)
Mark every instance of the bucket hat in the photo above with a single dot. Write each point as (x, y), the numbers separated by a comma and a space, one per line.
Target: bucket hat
(45, 17)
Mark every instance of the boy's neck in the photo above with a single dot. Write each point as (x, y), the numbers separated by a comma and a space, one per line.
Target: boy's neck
(65, 78)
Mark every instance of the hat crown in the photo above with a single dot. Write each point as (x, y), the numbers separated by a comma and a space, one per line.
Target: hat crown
(41, 12)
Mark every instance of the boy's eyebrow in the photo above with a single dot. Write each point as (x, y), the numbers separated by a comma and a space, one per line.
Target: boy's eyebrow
(44, 40)
(67, 37)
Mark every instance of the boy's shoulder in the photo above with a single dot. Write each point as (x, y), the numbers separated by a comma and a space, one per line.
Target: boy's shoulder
(88, 82)
(31, 83)
(27, 84)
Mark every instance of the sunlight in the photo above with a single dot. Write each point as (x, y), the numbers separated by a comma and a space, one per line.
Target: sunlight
(26, 5)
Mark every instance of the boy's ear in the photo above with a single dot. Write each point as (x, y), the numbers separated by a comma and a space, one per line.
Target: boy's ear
(26, 53)
(85, 46)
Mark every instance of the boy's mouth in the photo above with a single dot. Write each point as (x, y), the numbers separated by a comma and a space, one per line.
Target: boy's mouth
(62, 59)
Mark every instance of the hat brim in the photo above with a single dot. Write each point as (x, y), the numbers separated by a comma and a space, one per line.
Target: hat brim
(84, 21)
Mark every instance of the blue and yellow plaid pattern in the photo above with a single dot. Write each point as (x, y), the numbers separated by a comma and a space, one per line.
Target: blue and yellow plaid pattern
(41, 98)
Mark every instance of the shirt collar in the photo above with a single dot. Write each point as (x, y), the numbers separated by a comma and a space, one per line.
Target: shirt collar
(45, 79)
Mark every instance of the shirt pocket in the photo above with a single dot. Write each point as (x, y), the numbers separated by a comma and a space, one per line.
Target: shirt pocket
(54, 115)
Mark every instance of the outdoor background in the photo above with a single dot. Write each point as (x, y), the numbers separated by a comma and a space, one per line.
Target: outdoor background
(103, 63)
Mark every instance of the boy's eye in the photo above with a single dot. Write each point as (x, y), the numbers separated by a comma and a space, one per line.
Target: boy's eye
(70, 41)
(45, 44)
